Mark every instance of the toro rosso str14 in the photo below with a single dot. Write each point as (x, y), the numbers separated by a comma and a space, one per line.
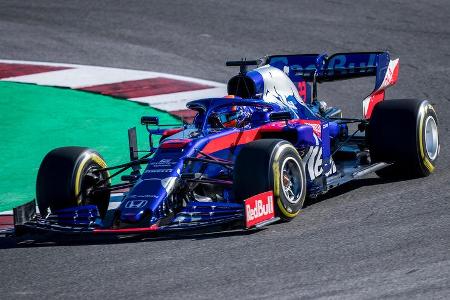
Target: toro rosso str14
(248, 159)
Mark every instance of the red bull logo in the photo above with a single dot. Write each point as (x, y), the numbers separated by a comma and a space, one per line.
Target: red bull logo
(258, 209)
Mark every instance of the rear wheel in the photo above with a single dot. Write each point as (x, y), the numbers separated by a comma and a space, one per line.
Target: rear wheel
(66, 178)
(405, 133)
(271, 165)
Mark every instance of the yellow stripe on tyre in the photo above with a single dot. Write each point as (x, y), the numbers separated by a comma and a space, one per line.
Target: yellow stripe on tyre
(425, 160)
(89, 156)
(276, 181)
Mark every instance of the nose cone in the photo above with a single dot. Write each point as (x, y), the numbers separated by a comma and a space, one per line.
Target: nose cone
(131, 216)
(138, 201)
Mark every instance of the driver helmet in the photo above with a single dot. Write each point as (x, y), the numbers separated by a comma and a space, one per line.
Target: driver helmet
(233, 116)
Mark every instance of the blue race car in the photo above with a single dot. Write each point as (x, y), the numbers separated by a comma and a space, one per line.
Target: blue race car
(247, 160)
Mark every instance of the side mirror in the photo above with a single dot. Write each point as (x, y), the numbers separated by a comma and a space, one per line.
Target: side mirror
(149, 120)
(260, 117)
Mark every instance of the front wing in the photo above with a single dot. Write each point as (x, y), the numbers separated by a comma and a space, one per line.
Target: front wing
(255, 213)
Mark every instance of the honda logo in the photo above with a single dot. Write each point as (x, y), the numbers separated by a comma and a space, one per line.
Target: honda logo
(136, 203)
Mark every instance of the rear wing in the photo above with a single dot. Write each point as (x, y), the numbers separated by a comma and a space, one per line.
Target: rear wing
(340, 66)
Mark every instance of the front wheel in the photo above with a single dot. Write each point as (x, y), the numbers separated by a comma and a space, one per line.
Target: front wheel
(271, 165)
(66, 178)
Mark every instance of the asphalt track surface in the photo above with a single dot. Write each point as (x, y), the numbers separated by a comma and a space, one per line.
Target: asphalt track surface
(368, 239)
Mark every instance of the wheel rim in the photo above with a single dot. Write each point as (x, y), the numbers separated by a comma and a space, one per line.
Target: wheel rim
(431, 138)
(291, 180)
(89, 180)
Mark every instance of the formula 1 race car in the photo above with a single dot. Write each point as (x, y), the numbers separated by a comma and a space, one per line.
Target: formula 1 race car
(247, 160)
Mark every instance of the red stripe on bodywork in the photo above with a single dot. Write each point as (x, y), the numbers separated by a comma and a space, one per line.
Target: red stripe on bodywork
(14, 70)
(315, 124)
(154, 227)
(145, 87)
(231, 140)
(170, 132)
(175, 143)
(244, 137)
(395, 74)
(280, 125)
(374, 99)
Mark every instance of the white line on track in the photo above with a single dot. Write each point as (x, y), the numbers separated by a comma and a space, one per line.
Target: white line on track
(81, 77)
(97, 71)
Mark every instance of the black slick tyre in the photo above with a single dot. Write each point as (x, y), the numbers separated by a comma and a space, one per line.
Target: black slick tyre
(271, 165)
(65, 178)
(404, 132)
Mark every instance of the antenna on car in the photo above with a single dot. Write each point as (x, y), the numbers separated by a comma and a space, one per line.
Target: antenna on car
(242, 64)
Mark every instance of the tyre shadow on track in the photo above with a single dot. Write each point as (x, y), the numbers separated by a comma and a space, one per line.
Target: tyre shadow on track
(348, 187)
(50, 240)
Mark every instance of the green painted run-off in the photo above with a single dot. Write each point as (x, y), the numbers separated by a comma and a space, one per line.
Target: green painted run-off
(35, 119)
